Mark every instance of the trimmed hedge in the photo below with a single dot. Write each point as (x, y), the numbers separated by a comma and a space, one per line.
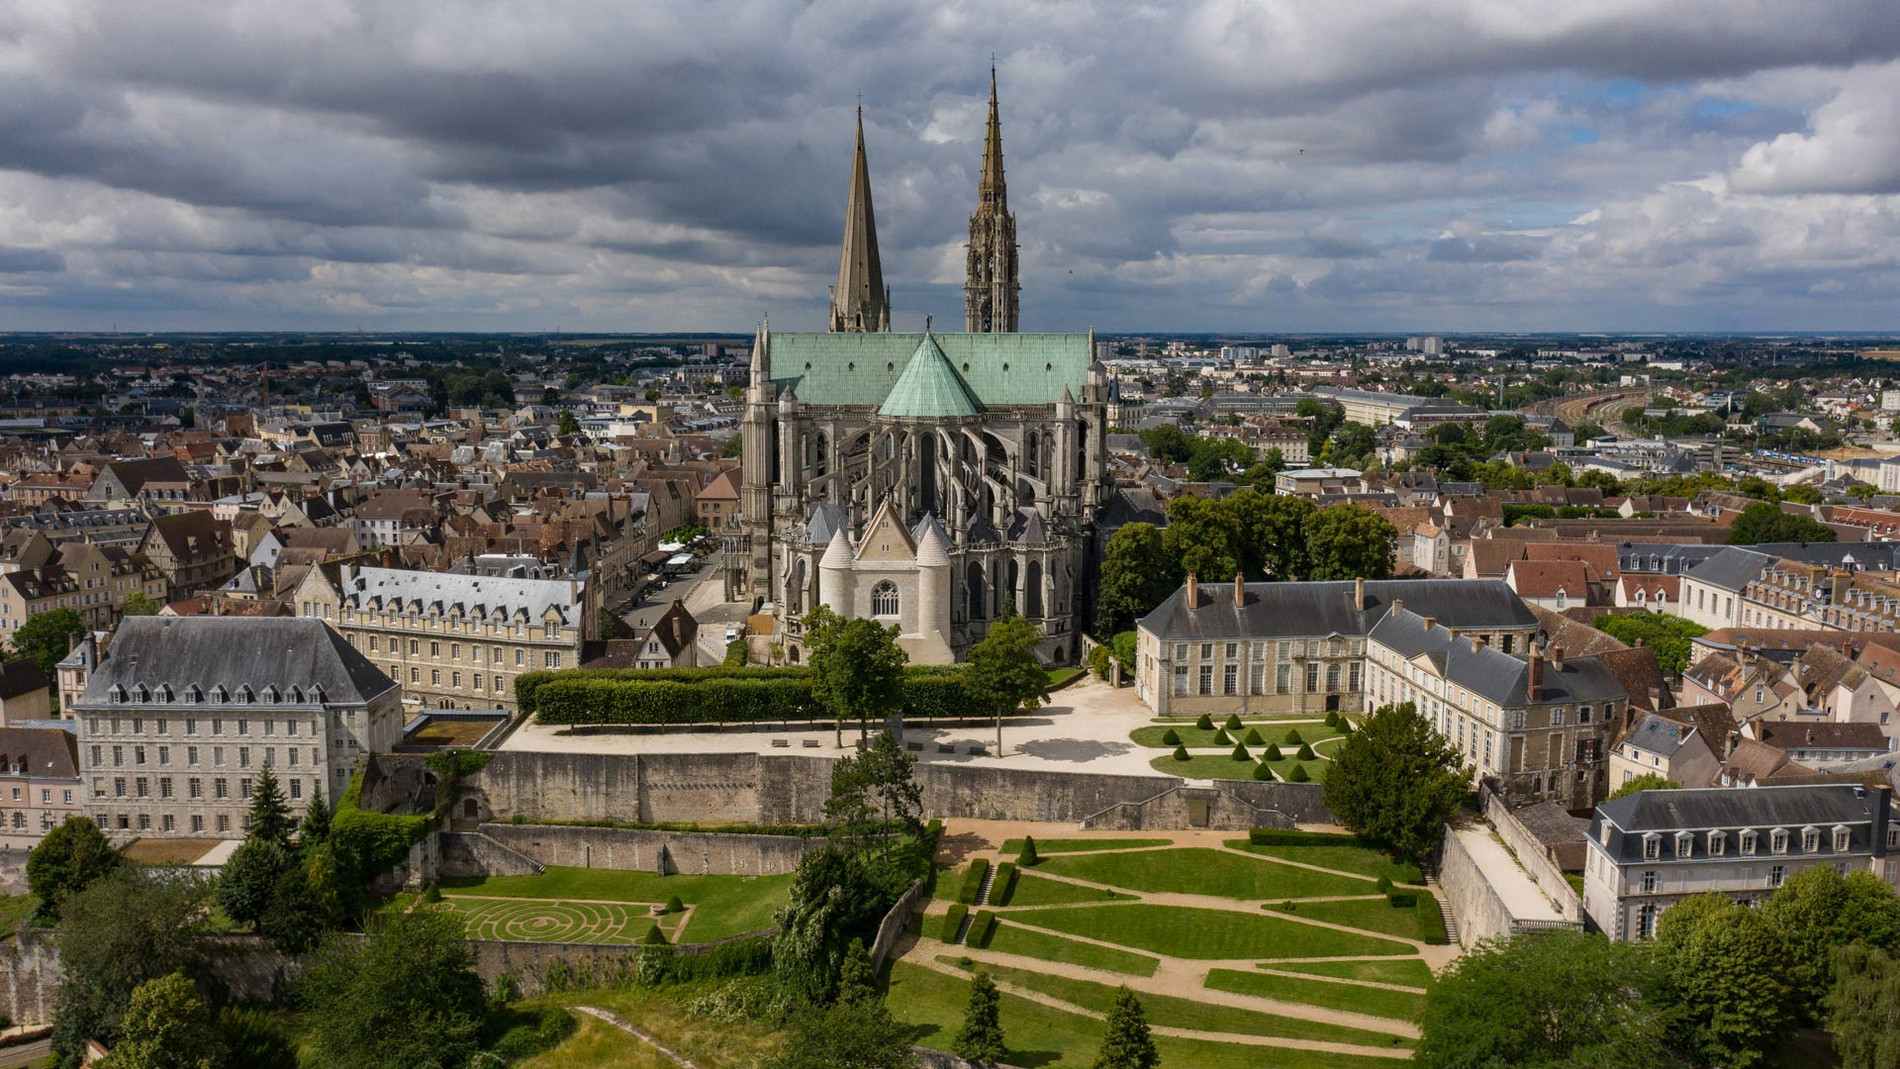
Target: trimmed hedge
(973, 881)
(1171, 737)
(1293, 737)
(1253, 737)
(1431, 922)
(953, 920)
(982, 930)
(722, 695)
(1004, 885)
(1221, 738)
(1233, 722)
(1298, 774)
(1262, 772)
(1402, 899)
(1205, 723)
(1306, 752)
(1240, 753)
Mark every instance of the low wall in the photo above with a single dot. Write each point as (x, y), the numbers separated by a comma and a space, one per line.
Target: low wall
(29, 977)
(938, 1059)
(1235, 805)
(664, 852)
(477, 854)
(1532, 855)
(894, 921)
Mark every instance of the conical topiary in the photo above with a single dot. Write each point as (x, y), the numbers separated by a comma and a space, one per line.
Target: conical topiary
(1345, 726)
(1306, 752)
(1241, 754)
(1181, 754)
(1253, 737)
(1262, 772)
(1298, 775)
(1028, 857)
(1332, 718)
(654, 937)
(1221, 737)
(1233, 721)
(1171, 737)
(1293, 737)
(1205, 723)
(1273, 753)
(674, 905)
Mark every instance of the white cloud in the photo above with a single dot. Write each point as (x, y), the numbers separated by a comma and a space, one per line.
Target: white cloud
(1853, 145)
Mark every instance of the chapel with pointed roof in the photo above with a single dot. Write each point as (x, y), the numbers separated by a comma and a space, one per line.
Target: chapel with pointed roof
(935, 481)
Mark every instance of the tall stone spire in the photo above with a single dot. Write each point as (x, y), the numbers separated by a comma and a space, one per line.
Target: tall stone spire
(860, 302)
(990, 288)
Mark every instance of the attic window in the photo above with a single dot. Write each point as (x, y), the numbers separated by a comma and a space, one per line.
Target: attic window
(193, 695)
(1841, 838)
(316, 693)
(220, 695)
(246, 695)
(1749, 839)
(1718, 843)
(1685, 844)
(141, 694)
(118, 694)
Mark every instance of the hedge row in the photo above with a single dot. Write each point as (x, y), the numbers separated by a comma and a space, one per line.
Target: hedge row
(953, 920)
(973, 881)
(1431, 922)
(982, 930)
(721, 695)
(1004, 884)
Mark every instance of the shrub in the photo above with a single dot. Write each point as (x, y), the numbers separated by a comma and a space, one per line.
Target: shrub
(654, 937)
(432, 894)
(1004, 884)
(1241, 754)
(377, 842)
(1181, 754)
(552, 1027)
(973, 881)
(1273, 752)
(1298, 775)
(1262, 772)
(1028, 857)
(953, 920)
(1221, 738)
(1293, 737)
(1305, 754)
(674, 905)
(1253, 737)
(1171, 737)
(982, 930)
(1402, 899)
(1385, 884)
(1431, 923)
(1287, 907)
(1332, 718)
(1293, 837)
(1233, 721)
(1205, 723)
(1345, 726)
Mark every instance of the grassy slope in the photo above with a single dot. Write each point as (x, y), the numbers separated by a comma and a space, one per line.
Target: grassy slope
(1372, 915)
(1364, 860)
(1009, 939)
(1199, 870)
(727, 905)
(1373, 1000)
(13, 910)
(1031, 891)
(1412, 972)
(1079, 846)
(1206, 933)
(1204, 766)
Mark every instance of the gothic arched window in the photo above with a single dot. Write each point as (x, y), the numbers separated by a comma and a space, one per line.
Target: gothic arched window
(884, 599)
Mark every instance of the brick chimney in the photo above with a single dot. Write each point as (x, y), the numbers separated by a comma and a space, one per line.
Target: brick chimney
(1194, 591)
(1240, 591)
(1534, 683)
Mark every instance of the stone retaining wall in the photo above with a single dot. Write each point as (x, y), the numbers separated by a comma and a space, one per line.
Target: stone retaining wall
(663, 852)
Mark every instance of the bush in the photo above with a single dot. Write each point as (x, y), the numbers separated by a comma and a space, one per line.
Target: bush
(1181, 754)
(551, 1028)
(1241, 754)
(1028, 857)
(1292, 837)
(1402, 899)
(432, 894)
(1233, 721)
(1332, 718)
(1345, 727)
(1221, 738)
(1298, 775)
(653, 938)
(982, 930)
(1253, 737)
(1262, 772)
(1385, 884)
(1293, 737)
(1305, 754)
(1171, 737)
(973, 881)
(377, 842)
(1205, 723)
(1273, 753)
(674, 905)
(953, 920)
(1004, 884)
(1431, 923)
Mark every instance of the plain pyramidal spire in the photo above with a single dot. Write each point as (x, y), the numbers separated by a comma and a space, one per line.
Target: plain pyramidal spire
(859, 302)
(990, 287)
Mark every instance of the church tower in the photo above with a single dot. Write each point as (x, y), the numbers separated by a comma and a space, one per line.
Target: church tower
(990, 287)
(859, 302)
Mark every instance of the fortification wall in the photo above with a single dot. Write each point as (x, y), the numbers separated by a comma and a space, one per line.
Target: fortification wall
(693, 853)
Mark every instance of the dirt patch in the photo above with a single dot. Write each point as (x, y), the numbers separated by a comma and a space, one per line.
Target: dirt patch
(450, 733)
(168, 851)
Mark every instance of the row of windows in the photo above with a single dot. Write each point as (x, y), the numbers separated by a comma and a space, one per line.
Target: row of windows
(166, 822)
(46, 795)
(499, 682)
(194, 695)
(550, 630)
(1748, 842)
(138, 754)
(1184, 684)
(1286, 650)
(142, 786)
(496, 656)
(241, 725)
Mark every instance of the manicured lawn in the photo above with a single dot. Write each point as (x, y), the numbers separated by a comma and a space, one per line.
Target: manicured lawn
(727, 905)
(1010, 939)
(1058, 676)
(1315, 769)
(1364, 860)
(1079, 846)
(1204, 766)
(1205, 933)
(533, 920)
(1203, 871)
(1032, 891)
(1039, 1037)
(1409, 971)
(1376, 1001)
(1188, 1013)
(1372, 915)
(1270, 732)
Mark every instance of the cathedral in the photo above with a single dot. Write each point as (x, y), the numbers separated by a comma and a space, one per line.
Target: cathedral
(933, 481)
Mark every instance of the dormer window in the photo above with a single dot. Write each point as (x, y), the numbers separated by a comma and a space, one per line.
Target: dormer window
(1842, 837)
(118, 694)
(296, 695)
(1748, 841)
(141, 695)
(1652, 846)
(1685, 844)
(245, 695)
(1718, 843)
(316, 694)
(1810, 840)
(1778, 841)
(165, 693)
(193, 695)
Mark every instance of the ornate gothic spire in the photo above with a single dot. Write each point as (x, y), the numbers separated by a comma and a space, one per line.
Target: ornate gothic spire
(990, 287)
(860, 302)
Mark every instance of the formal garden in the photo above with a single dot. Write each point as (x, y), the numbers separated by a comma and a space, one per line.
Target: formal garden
(1286, 749)
(576, 905)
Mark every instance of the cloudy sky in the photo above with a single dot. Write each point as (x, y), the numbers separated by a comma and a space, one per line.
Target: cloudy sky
(651, 165)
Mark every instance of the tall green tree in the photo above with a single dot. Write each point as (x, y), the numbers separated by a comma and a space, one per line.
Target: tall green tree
(1725, 968)
(875, 796)
(167, 1026)
(568, 424)
(1552, 1000)
(1818, 911)
(847, 1035)
(137, 604)
(66, 862)
(834, 898)
(46, 638)
(1004, 672)
(1350, 542)
(1648, 781)
(129, 926)
(408, 995)
(248, 883)
(1204, 535)
(1396, 781)
(1273, 530)
(980, 1040)
(1863, 1007)
(270, 814)
(1128, 1044)
(857, 667)
(1137, 573)
(315, 826)
(1765, 522)
(1669, 636)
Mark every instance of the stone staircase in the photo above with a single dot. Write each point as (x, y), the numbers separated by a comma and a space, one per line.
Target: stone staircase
(983, 892)
(963, 930)
(1444, 907)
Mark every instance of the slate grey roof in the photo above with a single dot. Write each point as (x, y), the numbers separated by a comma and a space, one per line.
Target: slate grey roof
(1490, 672)
(257, 652)
(39, 751)
(447, 590)
(826, 518)
(1732, 569)
(1658, 736)
(1760, 808)
(1275, 610)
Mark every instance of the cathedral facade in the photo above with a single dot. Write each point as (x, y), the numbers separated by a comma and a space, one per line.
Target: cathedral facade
(932, 481)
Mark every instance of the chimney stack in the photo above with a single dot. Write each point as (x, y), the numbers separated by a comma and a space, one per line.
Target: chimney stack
(1240, 591)
(1534, 683)
(1557, 658)
(1359, 593)
(1193, 591)
(1431, 622)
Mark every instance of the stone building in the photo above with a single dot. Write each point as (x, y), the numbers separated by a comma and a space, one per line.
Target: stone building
(39, 783)
(181, 713)
(192, 551)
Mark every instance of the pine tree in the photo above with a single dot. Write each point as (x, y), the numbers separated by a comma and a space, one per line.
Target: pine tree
(316, 821)
(857, 981)
(1028, 856)
(981, 1039)
(270, 814)
(1128, 1044)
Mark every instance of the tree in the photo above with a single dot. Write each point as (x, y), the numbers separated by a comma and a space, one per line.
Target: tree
(253, 1041)
(1350, 542)
(1203, 535)
(248, 883)
(856, 667)
(47, 638)
(1648, 781)
(1818, 910)
(270, 814)
(981, 1038)
(1273, 531)
(1863, 1007)
(408, 995)
(1128, 1045)
(130, 926)
(568, 424)
(137, 604)
(847, 1035)
(1396, 781)
(834, 898)
(66, 862)
(1004, 672)
(875, 795)
(1669, 636)
(857, 980)
(315, 827)
(1549, 1000)
(1137, 573)
(1765, 522)
(167, 1026)
(1725, 969)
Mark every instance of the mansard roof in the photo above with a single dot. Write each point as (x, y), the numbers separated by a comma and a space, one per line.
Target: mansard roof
(1309, 609)
(235, 652)
(864, 369)
(447, 591)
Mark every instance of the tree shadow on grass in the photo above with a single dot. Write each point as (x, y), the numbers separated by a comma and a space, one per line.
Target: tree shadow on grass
(953, 850)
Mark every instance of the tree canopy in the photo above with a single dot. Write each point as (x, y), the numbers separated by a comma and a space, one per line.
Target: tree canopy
(129, 926)
(167, 1026)
(1765, 522)
(1004, 671)
(1396, 781)
(66, 862)
(1669, 636)
(1724, 966)
(408, 995)
(1648, 781)
(1137, 573)
(857, 667)
(47, 637)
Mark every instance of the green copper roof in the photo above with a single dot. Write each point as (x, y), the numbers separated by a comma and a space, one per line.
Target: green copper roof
(992, 369)
(928, 387)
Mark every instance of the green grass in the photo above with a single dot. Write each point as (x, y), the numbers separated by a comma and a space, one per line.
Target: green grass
(1204, 871)
(1059, 676)
(1010, 939)
(1201, 766)
(529, 920)
(1315, 769)
(14, 910)
(1034, 891)
(1040, 1037)
(1372, 915)
(1205, 933)
(1013, 847)
(1412, 972)
(1376, 1001)
(725, 905)
(713, 1044)
(1187, 1013)
(1270, 731)
(1363, 860)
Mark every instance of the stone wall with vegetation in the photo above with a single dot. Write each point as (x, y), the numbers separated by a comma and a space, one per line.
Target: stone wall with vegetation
(644, 850)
